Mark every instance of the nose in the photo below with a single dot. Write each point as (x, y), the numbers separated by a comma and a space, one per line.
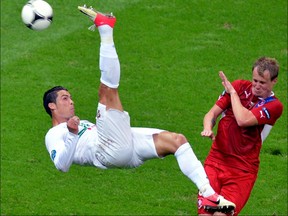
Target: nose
(257, 85)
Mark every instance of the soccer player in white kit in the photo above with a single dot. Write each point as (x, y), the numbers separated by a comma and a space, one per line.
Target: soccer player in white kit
(112, 142)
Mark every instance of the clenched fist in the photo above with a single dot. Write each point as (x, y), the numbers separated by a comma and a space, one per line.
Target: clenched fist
(72, 124)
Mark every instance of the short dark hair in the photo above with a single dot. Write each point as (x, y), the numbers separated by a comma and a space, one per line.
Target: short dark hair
(50, 96)
(266, 63)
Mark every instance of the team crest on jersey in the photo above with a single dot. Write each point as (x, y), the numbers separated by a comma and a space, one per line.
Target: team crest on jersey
(261, 103)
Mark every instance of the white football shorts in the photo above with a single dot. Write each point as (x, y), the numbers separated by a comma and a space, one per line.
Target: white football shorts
(119, 145)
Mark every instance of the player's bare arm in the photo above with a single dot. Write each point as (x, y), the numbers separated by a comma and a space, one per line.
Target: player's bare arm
(244, 117)
(210, 121)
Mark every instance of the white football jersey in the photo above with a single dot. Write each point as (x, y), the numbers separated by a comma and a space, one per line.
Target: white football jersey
(66, 148)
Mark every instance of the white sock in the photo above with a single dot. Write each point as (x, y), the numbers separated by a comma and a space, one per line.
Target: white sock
(193, 169)
(106, 34)
(108, 63)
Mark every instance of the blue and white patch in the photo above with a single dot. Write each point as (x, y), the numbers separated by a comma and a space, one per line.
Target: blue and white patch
(265, 110)
(53, 154)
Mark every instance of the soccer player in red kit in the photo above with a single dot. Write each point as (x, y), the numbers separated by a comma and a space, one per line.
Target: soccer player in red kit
(249, 109)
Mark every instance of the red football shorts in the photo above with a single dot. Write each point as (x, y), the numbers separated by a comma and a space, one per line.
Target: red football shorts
(234, 184)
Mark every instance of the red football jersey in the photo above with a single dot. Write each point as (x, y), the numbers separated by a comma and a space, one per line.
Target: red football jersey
(236, 146)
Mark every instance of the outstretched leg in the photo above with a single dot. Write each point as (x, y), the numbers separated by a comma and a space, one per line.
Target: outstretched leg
(173, 143)
(108, 63)
(114, 143)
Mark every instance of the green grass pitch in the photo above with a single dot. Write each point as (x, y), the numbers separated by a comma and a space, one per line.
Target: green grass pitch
(170, 53)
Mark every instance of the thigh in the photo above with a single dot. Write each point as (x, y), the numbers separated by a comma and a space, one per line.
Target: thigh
(144, 147)
(234, 184)
(237, 186)
(144, 142)
(109, 97)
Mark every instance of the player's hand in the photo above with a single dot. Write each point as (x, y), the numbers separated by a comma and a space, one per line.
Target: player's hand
(208, 133)
(72, 124)
(225, 82)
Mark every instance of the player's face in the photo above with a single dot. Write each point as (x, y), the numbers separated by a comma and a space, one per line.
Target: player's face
(262, 85)
(64, 105)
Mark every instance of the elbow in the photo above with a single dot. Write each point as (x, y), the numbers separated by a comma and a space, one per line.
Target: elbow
(241, 123)
(62, 167)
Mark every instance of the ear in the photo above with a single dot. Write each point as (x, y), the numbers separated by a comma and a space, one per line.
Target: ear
(52, 106)
(274, 81)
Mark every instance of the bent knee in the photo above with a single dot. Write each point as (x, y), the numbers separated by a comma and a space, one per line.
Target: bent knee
(179, 138)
